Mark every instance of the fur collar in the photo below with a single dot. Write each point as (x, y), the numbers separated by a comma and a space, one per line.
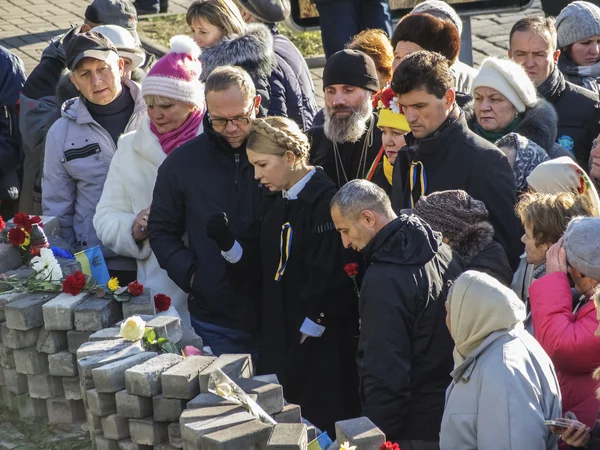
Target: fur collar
(474, 241)
(253, 51)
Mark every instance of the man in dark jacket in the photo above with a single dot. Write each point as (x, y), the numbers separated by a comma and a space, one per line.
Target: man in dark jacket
(349, 141)
(441, 153)
(533, 45)
(211, 174)
(405, 350)
(12, 78)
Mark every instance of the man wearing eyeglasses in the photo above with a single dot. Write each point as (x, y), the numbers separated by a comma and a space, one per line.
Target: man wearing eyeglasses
(206, 189)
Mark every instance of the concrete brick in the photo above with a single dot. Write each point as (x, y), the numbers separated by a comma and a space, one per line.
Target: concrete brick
(247, 435)
(14, 382)
(9, 297)
(18, 339)
(103, 443)
(193, 430)
(290, 414)
(133, 406)
(96, 313)
(204, 400)
(97, 347)
(311, 432)
(76, 339)
(115, 427)
(167, 409)
(128, 444)
(288, 436)
(1, 378)
(10, 257)
(63, 364)
(148, 432)
(29, 362)
(26, 313)
(360, 432)
(59, 312)
(111, 377)
(88, 363)
(166, 327)
(174, 432)
(165, 446)
(10, 399)
(269, 395)
(106, 334)
(94, 422)
(234, 366)
(101, 404)
(31, 407)
(44, 386)
(144, 379)
(61, 410)
(140, 305)
(7, 357)
(181, 380)
(72, 388)
(51, 341)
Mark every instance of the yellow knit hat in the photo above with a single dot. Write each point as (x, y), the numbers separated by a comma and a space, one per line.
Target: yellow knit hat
(389, 110)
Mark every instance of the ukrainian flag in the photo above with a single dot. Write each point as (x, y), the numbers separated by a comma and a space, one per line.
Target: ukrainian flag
(320, 443)
(93, 264)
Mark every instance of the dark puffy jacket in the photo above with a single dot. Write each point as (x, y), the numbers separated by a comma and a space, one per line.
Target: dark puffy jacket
(405, 350)
(292, 88)
(203, 176)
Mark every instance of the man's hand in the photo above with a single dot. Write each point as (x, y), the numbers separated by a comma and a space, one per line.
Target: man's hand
(577, 434)
(217, 228)
(556, 258)
(140, 225)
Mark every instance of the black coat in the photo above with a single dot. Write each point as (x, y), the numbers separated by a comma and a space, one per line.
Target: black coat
(578, 114)
(203, 176)
(319, 375)
(380, 179)
(405, 349)
(456, 158)
(322, 154)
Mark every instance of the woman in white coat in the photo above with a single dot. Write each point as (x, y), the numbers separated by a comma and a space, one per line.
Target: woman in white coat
(175, 100)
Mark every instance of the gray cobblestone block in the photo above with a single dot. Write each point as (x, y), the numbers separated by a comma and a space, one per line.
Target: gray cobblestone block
(247, 435)
(10, 257)
(59, 312)
(166, 327)
(8, 297)
(72, 388)
(29, 362)
(204, 400)
(269, 395)
(97, 347)
(288, 436)
(44, 386)
(101, 404)
(88, 363)
(7, 357)
(61, 410)
(2, 378)
(96, 314)
(26, 313)
(290, 414)
(94, 422)
(192, 430)
(311, 432)
(234, 366)
(167, 409)
(140, 305)
(51, 341)
(76, 339)
(106, 334)
(103, 443)
(133, 406)
(10, 399)
(15, 382)
(360, 432)
(115, 427)
(148, 432)
(31, 407)
(144, 379)
(165, 446)
(174, 431)
(63, 364)
(128, 444)
(111, 377)
(181, 380)
(16, 339)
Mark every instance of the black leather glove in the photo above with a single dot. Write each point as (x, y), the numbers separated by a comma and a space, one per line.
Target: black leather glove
(218, 231)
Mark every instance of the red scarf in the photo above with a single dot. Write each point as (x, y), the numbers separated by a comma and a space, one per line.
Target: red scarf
(170, 140)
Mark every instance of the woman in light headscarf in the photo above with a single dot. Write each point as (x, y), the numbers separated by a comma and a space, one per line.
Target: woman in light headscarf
(493, 355)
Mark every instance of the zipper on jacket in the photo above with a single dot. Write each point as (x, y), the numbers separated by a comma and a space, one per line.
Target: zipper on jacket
(237, 167)
(9, 119)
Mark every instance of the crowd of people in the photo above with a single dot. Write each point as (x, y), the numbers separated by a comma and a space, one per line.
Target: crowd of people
(422, 251)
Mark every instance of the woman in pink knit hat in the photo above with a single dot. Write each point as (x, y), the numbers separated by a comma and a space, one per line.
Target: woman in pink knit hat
(175, 100)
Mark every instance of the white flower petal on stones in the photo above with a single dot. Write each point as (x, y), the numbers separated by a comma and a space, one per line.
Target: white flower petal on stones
(395, 106)
(46, 266)
(346, 446)
(133, 328)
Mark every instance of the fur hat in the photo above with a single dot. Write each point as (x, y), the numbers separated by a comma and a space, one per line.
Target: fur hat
(508, 78)
(583, 246)
(441, 10)
(577, 21)
(429, 33)
(177, 74)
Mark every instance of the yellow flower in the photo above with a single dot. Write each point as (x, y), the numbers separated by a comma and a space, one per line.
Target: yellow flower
(133, 328)
(113, 284)
(346, 446)
(27, 240)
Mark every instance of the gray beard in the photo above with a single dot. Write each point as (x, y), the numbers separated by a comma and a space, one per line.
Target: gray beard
(347, 129)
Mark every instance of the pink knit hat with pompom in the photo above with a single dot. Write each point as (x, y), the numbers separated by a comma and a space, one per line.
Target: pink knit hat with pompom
(177, 74)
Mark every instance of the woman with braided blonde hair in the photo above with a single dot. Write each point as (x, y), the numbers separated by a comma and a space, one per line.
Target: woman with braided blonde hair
(310, 309)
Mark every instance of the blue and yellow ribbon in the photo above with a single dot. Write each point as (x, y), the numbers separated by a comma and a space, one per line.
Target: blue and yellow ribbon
(413, 180)
(285, 245)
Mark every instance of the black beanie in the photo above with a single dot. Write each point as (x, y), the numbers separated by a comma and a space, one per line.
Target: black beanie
(353, 68)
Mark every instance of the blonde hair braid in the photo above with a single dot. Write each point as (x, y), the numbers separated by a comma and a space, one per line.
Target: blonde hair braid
(281, 133)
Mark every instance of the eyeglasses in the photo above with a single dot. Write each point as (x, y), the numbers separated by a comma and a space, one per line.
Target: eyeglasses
(222, 123)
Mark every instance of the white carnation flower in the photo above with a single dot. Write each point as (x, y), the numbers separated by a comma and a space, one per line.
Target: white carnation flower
(395, 106)
(46, 266)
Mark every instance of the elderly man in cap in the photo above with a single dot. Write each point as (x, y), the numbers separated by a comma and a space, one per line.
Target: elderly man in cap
(81, 144)
(38, 97)
(348, 143)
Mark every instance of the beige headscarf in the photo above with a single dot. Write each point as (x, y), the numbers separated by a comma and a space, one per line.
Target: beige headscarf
(480, 305)
(564, 175)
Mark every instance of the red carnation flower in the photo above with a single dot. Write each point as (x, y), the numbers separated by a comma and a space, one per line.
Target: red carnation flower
(73, 284)
(389, 446)
(22, 220)
(351, 269)
(2, 224)
(38, 220)
(162, 302)
(17, 236)
(135, 288)
(35, 252)
(386, 96)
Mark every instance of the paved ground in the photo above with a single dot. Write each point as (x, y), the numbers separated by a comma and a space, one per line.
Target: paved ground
(27, 25)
